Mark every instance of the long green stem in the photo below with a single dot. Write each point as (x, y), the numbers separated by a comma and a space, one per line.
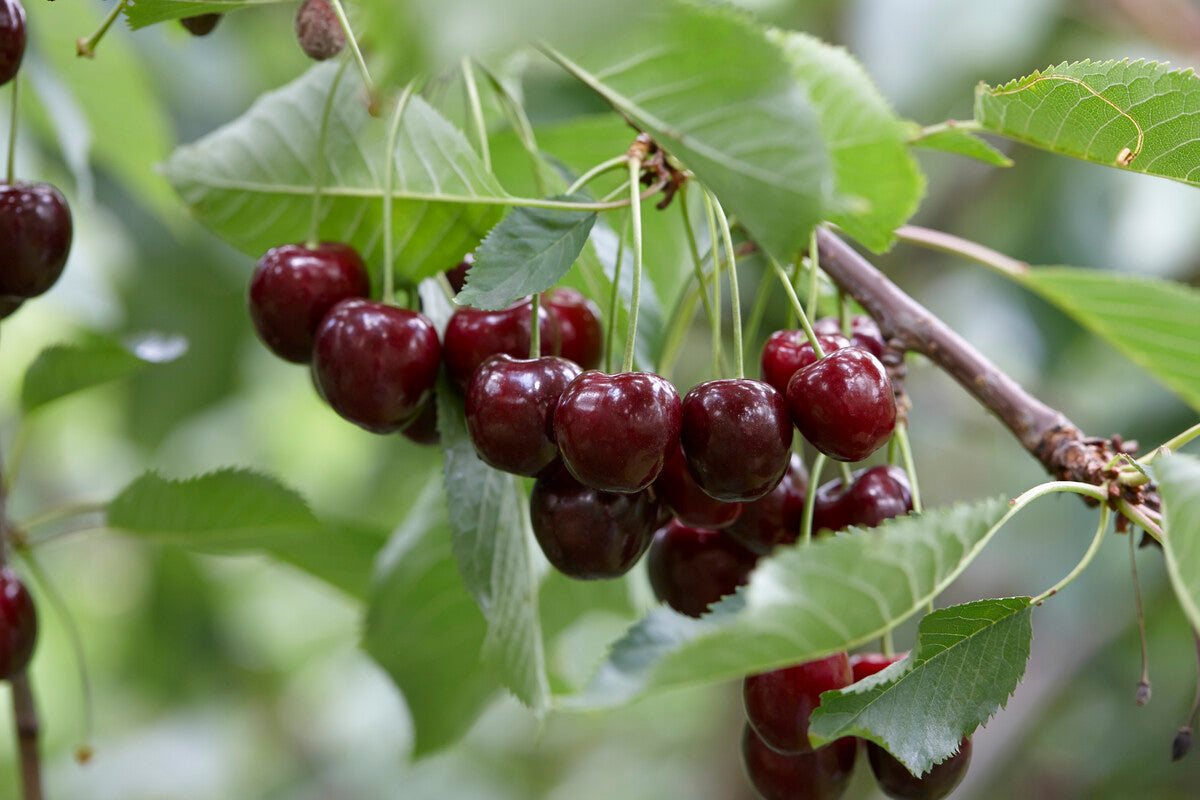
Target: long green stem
(63, 511)
(1083, 562)
(847, 475)
(714, 321)
(814, 272)
(956, 245)
(86, 47)
(535, 327)
(389, 169)
(901, 436)
(794, 278)
(635, 296)
(1172, 444)
(13, 468)
(844, 313)
(599, 169)
(735, 300)
(797, 308)
(758, 311)
(1143, 690)
(476, 108)
(373, 97)
(810, 499)
(701, 280)
(1137, 516)
(322, 164)
(11, 171)
(887, 644)
(614, 299)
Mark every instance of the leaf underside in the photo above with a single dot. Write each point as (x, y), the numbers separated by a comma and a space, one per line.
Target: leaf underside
(1179, 482)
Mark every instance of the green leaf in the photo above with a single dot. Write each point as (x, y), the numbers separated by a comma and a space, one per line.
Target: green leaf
(251, 181)
(1179, 482)
(143, 13)
(424, 629)
(961, 142)
(801, 603)
(1135, 115)
(1155, 323)
(63, 369)
(871, 162)
(710, 89)
(528, 252)
(493, 545)
(967, 662)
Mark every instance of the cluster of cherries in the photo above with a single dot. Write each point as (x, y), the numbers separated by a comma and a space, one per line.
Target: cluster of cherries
(318, 30)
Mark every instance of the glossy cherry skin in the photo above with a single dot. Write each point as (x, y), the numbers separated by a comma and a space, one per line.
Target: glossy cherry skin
(457, 277)
(12, 39)
(864, 332)
(318, 30)
(737, 438)
(201, 24)
(18, 624)
(822, 774)
(788, 351)
(510, 411)
(864, 665)
(774, 519)
(578, 324)
(375, 364)
(587, 534)
(898, 783)
(35, 228)
(874, 495)
(615, 432)
(683, 497)
(778, 703)
(423, 427)
(473, 335)
(843, 404)
(293, 288)
(692, 568)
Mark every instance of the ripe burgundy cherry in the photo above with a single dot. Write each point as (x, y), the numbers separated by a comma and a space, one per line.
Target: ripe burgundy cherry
(375, 364)
(12, 39)
(843, 404)
(615, 432)
(318, 30)
(423, 427)
(864, 665)
(788, 351)
(822, 774)
(774, 519)
(683, 497)
(898, 783)
(294, 286)
(588, 534)
(457, 276)
(737, 438)
(578, 324)
(874, 495)
(779, 703)
(18, 624)
(864, 332)
(510, 411)
(201, 24)
(692, 568)
(473, 335)
(35, 228)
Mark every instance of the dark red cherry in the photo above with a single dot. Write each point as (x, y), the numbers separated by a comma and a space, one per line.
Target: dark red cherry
(457, 276)
(874, 495)
(375, 364)
(318, 30)
(898, 783)
(473, 335)
(843, 404)
(578, 324)
(779, 703)
(822, 774)
(9, 304)
(35, 229)
(18, 624)
(615, 432)
(423, 427)
(683, 497)
(864, 665)
(588, 534)
(510, 410)
(864, 332)
(12, 39)
(201, 24)
(774, 519)
(692, 568)
(737, 438)
(293, 288)
(788, 351)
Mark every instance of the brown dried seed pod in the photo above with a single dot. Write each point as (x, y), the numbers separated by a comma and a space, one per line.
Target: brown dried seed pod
(318, 30)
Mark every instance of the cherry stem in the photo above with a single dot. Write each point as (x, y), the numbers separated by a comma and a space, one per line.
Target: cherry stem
(535, 329)
(797, 307)
(64, 511)
(389, 169)
(1143, 688)
(1171, 444)
(887, 645)
(314, 224)
(11, 170)
(735, 300)
(86, 47)
(758, 310)
(814, 274)
(847, 475)
(635, 296)
(714, 324)
(614, 298)
(521, 126)
(1093, 548)
(596, 171)
(713, 247)
(372, 96)
(810, 498)
(844, 314)
(1139, 515)
(905, 446)
(476, 109)
(956, 245)
(797, 267)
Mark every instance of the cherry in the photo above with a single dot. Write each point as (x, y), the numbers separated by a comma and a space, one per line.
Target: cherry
(737, 438)
(201, 24)
(588, 534)
(874, 495)
(578, 324)
(897, 782)
(35, 227)
(779, 703)
(822, 774)
(472, 335)
(774, 519)
(423, 428)
(375, 363)
(9, 304)
(18, 624)
(294, 286)
(692, 568)
(457, 276)
(318, 30)
(843, 404)
(510, 410)
(678, 490)
(615, 432)
(864, 665)
(864, 332)
(12, 39)
(788, 351)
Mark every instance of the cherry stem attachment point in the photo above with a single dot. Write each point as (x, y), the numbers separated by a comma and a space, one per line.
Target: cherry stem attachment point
(372, 95)
(86, 46)
(735, 300)
(314, 225)
(910, 467)
(1093, 548)
(596, 171)
(389, 169)
(797, 307)
(635, 296)
(810, 498)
